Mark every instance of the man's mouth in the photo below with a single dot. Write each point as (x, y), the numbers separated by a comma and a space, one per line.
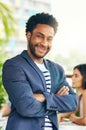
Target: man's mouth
(41, 49)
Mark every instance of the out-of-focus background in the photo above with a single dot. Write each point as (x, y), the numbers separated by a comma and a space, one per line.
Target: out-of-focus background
(69, 43)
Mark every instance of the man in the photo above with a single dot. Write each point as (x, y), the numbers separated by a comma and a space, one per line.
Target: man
(36, 86)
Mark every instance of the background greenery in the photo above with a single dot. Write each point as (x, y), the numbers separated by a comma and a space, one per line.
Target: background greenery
(8, 28)
(3, 94)
(8, 22)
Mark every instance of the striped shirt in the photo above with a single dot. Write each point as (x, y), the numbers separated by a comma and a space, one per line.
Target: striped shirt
(46, 73)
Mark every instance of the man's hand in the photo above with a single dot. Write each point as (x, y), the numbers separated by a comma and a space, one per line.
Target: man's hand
(39, 97)
(63, 91)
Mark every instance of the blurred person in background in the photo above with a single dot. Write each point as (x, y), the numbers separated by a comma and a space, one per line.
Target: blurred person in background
(5, 110)
(78, 83)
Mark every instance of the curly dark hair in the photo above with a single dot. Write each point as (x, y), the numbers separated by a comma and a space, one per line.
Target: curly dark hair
(41, 18)
(82, 69)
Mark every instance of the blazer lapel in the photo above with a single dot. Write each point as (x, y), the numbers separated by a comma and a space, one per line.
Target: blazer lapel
(31, 62)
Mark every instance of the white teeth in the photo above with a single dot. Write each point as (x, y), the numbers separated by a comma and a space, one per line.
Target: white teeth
(41, 49)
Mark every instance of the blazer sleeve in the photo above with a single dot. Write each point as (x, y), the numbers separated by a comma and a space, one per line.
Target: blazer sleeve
(65, 103)
(20, 92)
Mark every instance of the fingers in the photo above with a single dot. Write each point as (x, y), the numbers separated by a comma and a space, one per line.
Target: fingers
(63, 91)
(40, 97)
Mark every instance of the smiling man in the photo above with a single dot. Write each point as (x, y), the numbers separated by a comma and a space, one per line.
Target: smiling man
(37, 87)
(40, 42)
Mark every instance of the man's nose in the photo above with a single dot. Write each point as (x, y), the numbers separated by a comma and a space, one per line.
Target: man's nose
(45, 42)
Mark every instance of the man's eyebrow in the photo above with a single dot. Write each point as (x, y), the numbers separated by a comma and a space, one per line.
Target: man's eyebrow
(40, 33)
(43, 34)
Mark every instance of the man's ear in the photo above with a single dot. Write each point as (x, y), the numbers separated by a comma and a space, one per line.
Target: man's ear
(28, 35)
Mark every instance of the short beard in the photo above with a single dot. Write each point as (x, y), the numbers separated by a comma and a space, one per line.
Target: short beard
(32, 50)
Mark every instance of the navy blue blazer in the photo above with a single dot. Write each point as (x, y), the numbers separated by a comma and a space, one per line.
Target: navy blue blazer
(21, 78)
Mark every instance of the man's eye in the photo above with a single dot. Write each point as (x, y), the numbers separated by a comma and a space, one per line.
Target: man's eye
(50, 39)
(39, 36)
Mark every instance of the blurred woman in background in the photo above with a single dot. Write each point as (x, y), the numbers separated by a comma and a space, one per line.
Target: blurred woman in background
(79, 83)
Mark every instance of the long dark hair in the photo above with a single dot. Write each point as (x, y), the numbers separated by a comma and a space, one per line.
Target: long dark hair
(82, 69)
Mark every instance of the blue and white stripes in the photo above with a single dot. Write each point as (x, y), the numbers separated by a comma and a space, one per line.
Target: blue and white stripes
(48, 124)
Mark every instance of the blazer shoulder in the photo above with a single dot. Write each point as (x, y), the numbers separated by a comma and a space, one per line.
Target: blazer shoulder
(14, 60)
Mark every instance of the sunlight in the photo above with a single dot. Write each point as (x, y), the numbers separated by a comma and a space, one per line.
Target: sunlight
(71, 16)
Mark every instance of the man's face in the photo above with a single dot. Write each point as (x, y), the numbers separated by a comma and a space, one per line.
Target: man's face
(40, 41)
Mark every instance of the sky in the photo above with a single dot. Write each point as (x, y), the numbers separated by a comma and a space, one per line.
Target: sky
(71, 17)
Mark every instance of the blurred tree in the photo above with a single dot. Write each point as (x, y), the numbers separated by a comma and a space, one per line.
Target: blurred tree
(8, 22)
(7, 29)
(3, 94)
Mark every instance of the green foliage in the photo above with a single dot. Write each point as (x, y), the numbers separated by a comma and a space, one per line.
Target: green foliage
(3, 94)
(8, 29)
(8, 22)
